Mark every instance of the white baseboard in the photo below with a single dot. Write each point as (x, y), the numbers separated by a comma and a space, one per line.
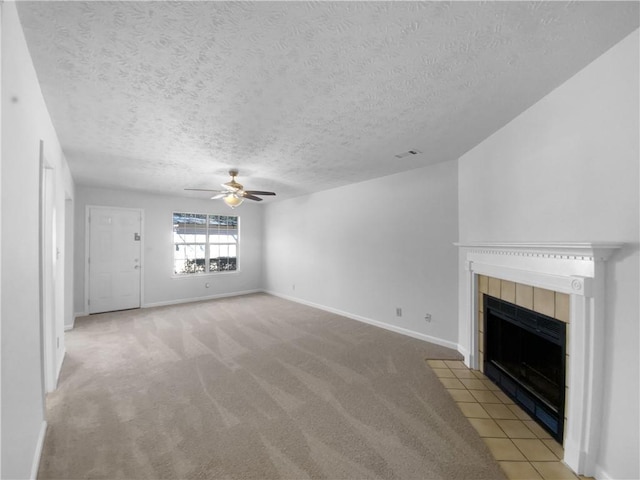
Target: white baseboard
(200, 299)
(600, 474)
(38, 453)
(377, 323)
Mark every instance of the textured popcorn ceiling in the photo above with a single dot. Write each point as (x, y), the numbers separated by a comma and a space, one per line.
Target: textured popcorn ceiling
(300, 96)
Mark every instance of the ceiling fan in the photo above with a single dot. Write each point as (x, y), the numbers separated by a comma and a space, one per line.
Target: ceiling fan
(234, 193)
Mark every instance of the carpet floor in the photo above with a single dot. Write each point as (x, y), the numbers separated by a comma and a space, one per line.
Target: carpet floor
(253, 387)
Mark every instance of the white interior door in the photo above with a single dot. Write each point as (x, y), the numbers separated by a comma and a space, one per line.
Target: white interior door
(114, 258)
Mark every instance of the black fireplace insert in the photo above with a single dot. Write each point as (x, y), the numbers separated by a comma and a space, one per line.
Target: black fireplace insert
(525, 356)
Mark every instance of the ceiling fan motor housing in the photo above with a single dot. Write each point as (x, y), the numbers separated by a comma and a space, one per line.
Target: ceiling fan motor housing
(233, 185)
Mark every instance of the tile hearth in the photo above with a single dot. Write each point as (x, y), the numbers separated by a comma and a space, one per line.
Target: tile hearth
(522, 448)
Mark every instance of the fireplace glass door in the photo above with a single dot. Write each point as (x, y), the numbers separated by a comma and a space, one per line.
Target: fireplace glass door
(525, 357)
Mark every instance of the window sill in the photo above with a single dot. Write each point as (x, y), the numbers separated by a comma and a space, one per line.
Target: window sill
(199, 275)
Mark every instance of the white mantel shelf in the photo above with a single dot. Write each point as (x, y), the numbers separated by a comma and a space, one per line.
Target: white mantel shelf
(574, 268)
(595, 250)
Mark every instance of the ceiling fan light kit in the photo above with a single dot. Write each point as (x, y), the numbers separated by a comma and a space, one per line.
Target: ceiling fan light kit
(234, 193)
(233, 200)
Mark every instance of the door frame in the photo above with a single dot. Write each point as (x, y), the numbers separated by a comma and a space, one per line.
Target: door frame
(47, 274)
(69, 221)
(87, 244)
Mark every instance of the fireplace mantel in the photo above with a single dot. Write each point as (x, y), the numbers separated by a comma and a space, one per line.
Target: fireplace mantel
(560, 250)
(574, 268)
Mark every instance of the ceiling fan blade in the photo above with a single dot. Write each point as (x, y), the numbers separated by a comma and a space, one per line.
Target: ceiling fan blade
(258, 192)
(219, 195)
(250, 197)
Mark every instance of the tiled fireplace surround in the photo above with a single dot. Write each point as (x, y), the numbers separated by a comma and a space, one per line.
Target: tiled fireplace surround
(543, 276)
(540, 300)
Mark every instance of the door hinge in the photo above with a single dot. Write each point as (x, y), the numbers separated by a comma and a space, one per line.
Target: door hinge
(89, 260)
(89, 302)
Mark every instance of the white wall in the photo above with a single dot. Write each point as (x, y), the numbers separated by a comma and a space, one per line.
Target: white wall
(368, 248)
(567, 169)
(160, 286)
(25, 122)
(1, 102)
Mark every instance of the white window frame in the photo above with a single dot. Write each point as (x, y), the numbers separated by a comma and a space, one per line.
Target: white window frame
(206, 244)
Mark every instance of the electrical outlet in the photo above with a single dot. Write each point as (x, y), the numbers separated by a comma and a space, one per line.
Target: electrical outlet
(427, 317)
(293, 287)
(398, 312)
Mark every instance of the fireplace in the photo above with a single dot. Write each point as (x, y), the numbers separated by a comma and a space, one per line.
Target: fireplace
(524, 354)
(574, 272)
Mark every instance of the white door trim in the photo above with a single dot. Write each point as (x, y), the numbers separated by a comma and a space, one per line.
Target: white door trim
(87, 240)
(47, 279)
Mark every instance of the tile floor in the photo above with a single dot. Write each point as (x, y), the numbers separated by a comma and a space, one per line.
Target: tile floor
(524, 450)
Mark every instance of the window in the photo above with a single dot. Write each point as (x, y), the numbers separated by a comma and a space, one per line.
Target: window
(204, 243)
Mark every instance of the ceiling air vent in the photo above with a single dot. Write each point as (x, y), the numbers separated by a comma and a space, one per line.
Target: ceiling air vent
(406, 154)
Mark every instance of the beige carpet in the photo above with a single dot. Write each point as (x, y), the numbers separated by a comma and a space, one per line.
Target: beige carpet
(253, 387)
